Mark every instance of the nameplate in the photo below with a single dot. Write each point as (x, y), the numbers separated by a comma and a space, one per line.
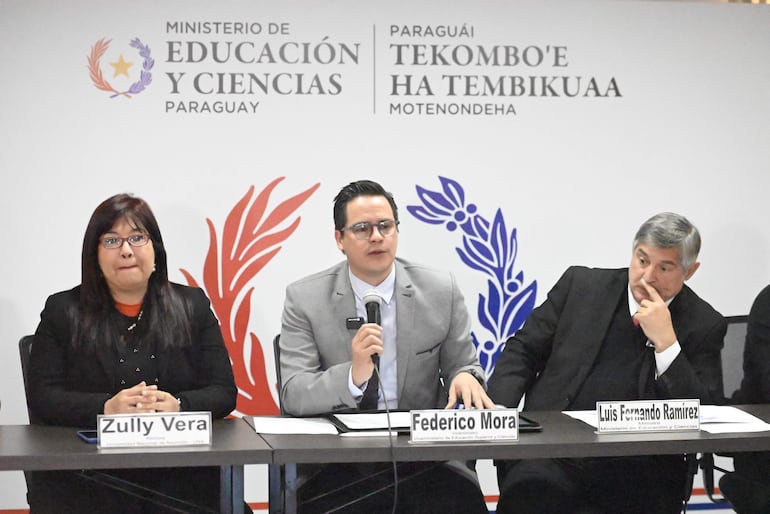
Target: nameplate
(154, 429)
(648, 416)
(429, 426)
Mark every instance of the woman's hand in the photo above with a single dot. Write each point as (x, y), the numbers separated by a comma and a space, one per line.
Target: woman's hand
(139, 398)
(165, 402)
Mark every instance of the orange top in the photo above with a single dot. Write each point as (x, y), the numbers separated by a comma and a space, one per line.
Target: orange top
(131, 311)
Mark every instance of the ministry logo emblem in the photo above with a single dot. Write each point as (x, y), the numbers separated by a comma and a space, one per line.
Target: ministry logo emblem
(120, 68)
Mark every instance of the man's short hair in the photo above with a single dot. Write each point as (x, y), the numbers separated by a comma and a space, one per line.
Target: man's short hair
(671, 230)
(356, 189)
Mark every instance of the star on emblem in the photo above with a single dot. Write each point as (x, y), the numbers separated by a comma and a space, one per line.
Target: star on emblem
(121, 67)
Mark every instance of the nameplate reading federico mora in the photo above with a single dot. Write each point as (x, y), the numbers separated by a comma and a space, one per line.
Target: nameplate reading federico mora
(648, 416)
(428, 426)
(154, 429)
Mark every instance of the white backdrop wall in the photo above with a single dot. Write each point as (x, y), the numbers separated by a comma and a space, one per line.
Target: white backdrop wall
(665, 107)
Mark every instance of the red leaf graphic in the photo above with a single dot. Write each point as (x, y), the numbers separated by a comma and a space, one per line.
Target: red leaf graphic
(251, 237)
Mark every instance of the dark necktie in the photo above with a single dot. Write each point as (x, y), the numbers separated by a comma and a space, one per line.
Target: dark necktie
(646, 385)
(369, 399)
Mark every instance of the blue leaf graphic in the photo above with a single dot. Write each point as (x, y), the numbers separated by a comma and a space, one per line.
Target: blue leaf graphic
(468, 227)
(487, 248)
(422, 214)
(513, 251)
(470, 262)
(435, 202)
(453, 191)
(481, 227)
(472, 254)
(499, 239)
(519, 309)
(483, 314)
(479, 248)
(494, 300)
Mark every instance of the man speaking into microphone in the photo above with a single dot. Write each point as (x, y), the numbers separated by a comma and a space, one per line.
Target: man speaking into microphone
(377, 332)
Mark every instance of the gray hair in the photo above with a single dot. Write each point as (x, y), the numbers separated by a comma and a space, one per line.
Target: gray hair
(671, 230)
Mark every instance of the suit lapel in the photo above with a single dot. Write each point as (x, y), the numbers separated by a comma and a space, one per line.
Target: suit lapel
(680, 309)
(601, 300)
(406, 330)
(343, 303)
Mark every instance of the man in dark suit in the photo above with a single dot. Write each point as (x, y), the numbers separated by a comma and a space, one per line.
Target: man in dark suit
(612, 335)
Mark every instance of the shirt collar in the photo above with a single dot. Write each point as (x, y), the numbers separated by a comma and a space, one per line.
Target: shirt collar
(385, 288)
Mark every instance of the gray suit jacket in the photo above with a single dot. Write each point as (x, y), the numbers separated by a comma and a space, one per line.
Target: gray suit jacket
(434, 342)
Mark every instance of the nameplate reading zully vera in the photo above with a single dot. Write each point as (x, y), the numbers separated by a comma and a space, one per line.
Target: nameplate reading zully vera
(429, 426)
(648, 416)
(154, 429)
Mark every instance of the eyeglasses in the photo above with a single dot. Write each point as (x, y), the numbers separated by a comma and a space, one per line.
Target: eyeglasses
(364, 229)
(113, 242)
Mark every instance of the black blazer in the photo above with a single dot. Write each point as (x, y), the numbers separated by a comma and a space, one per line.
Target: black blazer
(755, 386)
(69, 387)
(552, 354)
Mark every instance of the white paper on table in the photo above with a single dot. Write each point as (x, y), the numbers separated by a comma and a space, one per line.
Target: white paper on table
(374, 420)
(714, 419)
(281, 425)
(369, 433)
(586, 416)
(721, 419)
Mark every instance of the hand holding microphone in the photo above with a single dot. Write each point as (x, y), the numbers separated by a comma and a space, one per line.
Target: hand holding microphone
(367, 343)
(372, 301)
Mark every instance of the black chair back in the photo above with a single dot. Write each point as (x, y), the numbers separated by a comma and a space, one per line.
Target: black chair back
(278, 381)
(732, 354)
(25, 350)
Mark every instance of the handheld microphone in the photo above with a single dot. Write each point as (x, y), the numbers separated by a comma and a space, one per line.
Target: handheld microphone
(372, 301)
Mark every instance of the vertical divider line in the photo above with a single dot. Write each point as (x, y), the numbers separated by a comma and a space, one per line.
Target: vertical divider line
(374, 69)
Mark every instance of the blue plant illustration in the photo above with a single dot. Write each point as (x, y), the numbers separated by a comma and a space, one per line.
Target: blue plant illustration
(488, 248)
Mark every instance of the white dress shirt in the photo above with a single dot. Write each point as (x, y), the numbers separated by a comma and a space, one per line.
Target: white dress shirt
(663, 359)
(388, 368)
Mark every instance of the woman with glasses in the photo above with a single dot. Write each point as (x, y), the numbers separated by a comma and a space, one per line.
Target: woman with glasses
(126, 341)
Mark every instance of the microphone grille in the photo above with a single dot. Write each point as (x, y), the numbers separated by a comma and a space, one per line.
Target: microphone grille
(372, 296)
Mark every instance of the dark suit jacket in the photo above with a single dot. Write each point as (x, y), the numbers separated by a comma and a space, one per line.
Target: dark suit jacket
(754, 467)
(69, 387)
(755, 387)
(553, 353)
